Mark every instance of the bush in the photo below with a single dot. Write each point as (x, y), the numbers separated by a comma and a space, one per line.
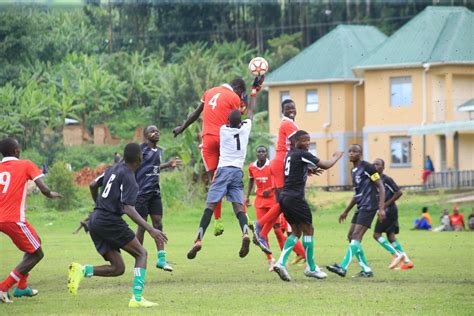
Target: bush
(61, 180)
(89, 155)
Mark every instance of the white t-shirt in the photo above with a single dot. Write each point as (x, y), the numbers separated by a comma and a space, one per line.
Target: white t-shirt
(233, 144)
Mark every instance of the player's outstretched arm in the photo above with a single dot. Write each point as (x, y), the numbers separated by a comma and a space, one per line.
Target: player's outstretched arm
(190, 120)
(326, 164)
(173, 163)
(256, 86)
(134, 216)
(45, 189)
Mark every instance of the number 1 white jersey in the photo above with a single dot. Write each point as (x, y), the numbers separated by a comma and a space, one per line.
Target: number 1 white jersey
(233, 144)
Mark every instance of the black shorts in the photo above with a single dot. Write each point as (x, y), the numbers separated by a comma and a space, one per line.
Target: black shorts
(296, 210)
(364, 217)
(109, 231)
(389, 226)
(149, 204)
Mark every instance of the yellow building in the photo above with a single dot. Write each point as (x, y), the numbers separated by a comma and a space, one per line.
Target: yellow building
(415, 83)
(329, 98)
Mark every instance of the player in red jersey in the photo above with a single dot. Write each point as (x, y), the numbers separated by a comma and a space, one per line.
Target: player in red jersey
(216, 105)
(14, 176)
(286, 129)
(260, 175)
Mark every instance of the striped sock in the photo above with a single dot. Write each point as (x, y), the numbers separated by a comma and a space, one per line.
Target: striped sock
(351, 251)
(88, 271)
(285, 253)
(23, 283)
(399, 247)
(384, 243)
(360, 255)
(138, 283)
(11, 279)
(308, 244)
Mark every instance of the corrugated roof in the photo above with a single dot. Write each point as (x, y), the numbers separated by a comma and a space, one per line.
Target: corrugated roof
(436, 35)
(330, 58)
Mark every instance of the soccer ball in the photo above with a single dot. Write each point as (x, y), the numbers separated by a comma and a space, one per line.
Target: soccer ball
(258, 66)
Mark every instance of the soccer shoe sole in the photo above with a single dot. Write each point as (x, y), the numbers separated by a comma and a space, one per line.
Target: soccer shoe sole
(142, 304)
(281, 273)
(5, 298)
(337, 271)
(407, 266)
(74, 278)
(363, 275)
(317, 275)
(165, 267)
(193, 252)
(244, 249)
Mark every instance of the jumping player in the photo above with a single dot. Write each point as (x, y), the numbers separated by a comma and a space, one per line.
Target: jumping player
(292, 201)
(14, 176)
(149, 195)
(234, 138)
(110, 232)
(286, 129)
(367, 185)
(260, 175)
(390, 224)
(216, 105)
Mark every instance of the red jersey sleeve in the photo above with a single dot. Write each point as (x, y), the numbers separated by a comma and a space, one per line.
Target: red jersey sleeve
(32, 171)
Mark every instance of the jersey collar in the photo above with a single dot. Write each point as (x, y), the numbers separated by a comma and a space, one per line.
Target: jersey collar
(286, 118)
(226, 85)
(9, 159)
(267, 163)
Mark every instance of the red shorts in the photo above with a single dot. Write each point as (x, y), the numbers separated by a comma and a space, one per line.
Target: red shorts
(210, 151)
(278, 173)
(22, 234)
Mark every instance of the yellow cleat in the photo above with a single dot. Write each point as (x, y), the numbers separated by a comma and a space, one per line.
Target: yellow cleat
(141, 303)
(75, 277)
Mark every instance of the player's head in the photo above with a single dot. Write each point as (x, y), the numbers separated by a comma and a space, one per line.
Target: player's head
(288, 108)
(151, 133)
(355, 152)
(456, 210)
(261, 153)
(132, 155)
(238, 84)
(301, 139)
(235, 119)
(424, 209)
(379, 164)
(9, 147)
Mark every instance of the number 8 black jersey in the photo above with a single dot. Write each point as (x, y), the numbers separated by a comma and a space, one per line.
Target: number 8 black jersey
(119, 187)
(297, 162)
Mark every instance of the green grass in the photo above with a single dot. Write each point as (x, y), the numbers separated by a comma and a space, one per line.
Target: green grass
(219, 282)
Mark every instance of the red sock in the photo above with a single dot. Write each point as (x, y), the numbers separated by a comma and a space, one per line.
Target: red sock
(218, 210)
(299, 249)
(23, 283)
(269, 220)
(11, 279)
(281, 238)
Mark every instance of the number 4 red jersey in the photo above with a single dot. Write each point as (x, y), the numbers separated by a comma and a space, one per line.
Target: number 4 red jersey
(218, 103)
(14, 176)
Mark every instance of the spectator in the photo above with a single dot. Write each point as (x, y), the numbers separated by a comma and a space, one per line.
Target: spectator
(117, 157)
(445, 222)
(457, 220)
(429, 169)
(470, 221)
(425, 222)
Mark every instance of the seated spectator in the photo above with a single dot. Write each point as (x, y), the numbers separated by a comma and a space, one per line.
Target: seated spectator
(425, 222)
(470, 221)
(457, 220)
(445, 222)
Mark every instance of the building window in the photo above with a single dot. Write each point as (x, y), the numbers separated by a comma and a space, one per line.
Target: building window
(312, 104)
(400, 148)
(284, 95)
(400, 91)
(312, 148)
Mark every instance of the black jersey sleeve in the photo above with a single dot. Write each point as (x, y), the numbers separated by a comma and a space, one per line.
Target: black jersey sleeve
(100, 180)
(309, 158)
(371, 172)
(390, 183)
(129, 189)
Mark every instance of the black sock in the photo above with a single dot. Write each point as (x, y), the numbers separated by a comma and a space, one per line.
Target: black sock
(205, 220)
(243, 222)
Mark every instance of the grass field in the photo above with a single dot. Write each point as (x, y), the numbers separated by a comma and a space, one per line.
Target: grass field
(219, 282)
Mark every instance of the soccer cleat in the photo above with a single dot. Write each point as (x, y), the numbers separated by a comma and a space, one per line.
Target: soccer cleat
(335, 268)
(396, 260)
(244, 249)
(318, 274)
(256, 229)
(282, 272)
(26, 292)
(363, 274)
(218, 228)
(141, 303)
(5, 297)
(164, 266)
(194, 250)
(407, 266)
(75, 277)
(297, 259)
(271, 264)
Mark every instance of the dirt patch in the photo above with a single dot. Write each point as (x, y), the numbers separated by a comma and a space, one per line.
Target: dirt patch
(85, 176)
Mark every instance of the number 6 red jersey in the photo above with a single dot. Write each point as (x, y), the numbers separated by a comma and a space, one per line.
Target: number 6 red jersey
(14, 176)
(218, 103)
